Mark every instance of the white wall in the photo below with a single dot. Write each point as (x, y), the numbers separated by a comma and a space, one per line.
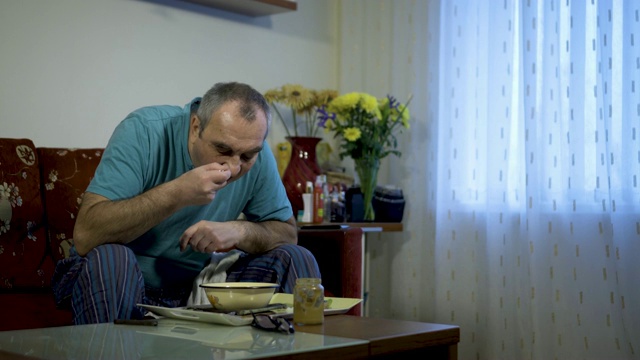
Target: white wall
(70, 70)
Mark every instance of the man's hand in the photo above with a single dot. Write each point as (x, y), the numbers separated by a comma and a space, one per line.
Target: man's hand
(199, 186)
(209, 236)
(250, 237)
(101, 220)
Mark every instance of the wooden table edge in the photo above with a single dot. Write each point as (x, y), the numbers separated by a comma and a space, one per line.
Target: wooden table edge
(415, 337)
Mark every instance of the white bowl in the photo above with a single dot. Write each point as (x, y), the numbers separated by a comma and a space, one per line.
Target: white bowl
(234, 296)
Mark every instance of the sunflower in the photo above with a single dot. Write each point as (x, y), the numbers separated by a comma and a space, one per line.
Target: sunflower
(296, 96)
(303, 103)
(274, 95)
(324, 97)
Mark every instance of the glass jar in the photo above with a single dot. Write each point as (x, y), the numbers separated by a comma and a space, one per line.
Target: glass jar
(308, 302)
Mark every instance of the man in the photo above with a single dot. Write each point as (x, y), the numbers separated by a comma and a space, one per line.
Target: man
(167, 194)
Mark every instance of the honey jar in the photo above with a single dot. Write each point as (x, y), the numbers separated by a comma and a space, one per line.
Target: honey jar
(308, 302)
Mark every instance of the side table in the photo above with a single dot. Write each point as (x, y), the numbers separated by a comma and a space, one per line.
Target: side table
(393, 338)
(343, 257)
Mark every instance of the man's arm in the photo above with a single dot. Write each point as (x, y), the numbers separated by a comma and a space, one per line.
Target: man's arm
(251, 237)
(101, 220)
(267, 235)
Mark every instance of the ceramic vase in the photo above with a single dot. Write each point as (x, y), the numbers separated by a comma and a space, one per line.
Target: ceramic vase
(302, 167)
(367, 170)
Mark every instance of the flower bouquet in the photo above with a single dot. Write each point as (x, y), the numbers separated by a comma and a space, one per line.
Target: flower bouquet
(367, 127)
(302, 103)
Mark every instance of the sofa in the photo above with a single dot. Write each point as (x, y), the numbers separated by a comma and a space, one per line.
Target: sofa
(40, 192)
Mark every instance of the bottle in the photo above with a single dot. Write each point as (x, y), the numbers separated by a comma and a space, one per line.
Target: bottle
(337, 204)
(308, 302)
(307, 200)
(318, 201)
(326, 199)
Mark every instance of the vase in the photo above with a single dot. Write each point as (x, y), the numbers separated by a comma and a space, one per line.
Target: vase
(302, 167)
(367, 170)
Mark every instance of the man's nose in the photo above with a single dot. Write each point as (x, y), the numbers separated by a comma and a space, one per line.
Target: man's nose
(234, 165)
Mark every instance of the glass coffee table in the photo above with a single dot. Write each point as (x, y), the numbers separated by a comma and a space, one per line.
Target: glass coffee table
(341, 336)
(172, 339)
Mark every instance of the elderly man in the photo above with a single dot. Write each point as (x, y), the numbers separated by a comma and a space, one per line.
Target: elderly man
(167, 195)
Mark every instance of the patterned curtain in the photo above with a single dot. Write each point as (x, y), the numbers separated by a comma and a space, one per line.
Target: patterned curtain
(522, 170)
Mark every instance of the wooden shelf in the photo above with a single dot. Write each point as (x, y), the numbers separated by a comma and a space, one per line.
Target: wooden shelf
(386, 226)
(365, 226)
(253, 8)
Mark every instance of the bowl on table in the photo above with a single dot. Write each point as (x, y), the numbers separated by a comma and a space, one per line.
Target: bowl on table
(235, 296)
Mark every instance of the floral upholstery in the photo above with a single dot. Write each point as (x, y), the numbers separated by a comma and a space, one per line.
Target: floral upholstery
(23, 242)
(66, 173)
(40, 190)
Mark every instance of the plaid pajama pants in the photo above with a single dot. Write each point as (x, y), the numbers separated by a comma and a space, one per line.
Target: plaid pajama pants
(107, 283)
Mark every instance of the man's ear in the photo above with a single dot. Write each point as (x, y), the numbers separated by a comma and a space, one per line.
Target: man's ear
(194, 125)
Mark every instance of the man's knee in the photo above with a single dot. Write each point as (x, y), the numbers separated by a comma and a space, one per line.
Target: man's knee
(113, 263)
(294, 251)
(111, 253)
(109, 285)
(301, 259)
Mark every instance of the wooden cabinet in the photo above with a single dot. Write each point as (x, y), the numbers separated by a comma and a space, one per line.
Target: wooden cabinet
(342, 257)
(339, 254)
(253, 8)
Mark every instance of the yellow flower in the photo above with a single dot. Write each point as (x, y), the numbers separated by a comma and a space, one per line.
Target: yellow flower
(329, 126)
(369, 104)
(344, 102)
(405, 112)
(324, 97)
(405, 115)
(304, 104)
(352, 134)
(367, 126)
(310, 106)
(317, 100)
(274, 95)
(296, 96)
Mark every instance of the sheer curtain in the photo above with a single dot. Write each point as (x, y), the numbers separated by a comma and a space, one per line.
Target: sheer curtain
(521, 170)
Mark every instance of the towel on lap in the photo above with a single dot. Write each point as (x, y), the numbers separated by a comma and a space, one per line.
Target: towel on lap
(215, 272)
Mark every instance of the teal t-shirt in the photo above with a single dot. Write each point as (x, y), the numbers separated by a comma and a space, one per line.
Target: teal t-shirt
(149, 148)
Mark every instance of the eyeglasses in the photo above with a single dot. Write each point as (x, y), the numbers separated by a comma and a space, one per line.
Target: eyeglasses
(266, 322)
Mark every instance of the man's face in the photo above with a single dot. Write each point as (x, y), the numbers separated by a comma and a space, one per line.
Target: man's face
(228, 139)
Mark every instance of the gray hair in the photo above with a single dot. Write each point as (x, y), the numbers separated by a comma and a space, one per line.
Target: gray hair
(250, 100)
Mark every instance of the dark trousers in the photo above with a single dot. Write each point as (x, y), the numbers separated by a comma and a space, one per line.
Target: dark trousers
(107, 283)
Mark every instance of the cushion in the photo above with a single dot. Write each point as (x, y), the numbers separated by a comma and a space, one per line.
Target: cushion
(23, 240)
(66, 173)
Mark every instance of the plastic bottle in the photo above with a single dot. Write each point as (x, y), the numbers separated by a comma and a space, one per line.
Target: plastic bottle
(318, 201)
(326, 199)
(307, 200)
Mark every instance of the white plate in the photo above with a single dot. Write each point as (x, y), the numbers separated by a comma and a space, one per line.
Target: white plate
(195, 315)
(337, 306)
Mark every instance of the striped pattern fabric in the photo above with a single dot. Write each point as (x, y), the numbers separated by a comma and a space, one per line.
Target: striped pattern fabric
(101, 287)
(107, 283)
(282, 265)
